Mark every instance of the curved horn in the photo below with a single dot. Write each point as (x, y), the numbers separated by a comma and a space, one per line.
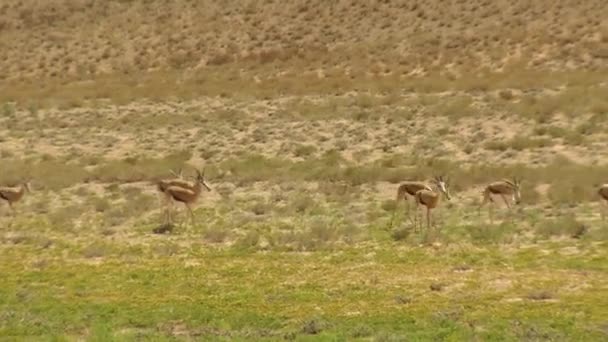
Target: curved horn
(178, 174)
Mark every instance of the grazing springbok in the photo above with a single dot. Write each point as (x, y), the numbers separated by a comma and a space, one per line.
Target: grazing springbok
(505, 189)
(405, 191)
(186, 193)
(602, 191)
(430, 198)
(14, 194)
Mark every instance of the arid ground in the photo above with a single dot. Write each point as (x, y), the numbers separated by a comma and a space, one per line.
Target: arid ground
(306, 116)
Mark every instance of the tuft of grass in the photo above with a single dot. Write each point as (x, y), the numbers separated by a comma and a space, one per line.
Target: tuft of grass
(401, 234)
(564, 226)
(540, 295)
(216, 234)
(304, 151)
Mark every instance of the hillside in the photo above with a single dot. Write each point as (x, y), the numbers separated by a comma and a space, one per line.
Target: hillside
(214, 46)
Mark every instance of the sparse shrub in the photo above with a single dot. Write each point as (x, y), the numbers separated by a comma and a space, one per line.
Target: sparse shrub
(487, 234)
(304, 150)
(496, 145)
(540, 295)
(313, 326)
(249, 240)
(455, 107)
(260, 206)
(506, 94)
(6, 154)
(63, 218)
(165, 249)
(208, 153)
(468, 148)
(401, 234)
(322, 231)
(361, 331)
(96, 250)
(8, 110)
(32, 109)
(530, 196)
(521, 143)
(58, 174)
(389, 205)
(341, 145)
(215, 234)
(563, 226)
(138, 203)
(302, 203)
(365, 101)
(100, 204)
(569, 193)
(574, 138)
(114, 216)
(360, 175)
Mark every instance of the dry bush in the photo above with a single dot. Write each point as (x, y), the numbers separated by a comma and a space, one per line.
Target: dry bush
(565, 226)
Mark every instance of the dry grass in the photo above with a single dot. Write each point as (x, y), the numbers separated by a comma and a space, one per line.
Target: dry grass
(306, 116)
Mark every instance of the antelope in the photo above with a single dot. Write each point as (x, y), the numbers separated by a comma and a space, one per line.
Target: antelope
(186, 192)
(406, 191)
(430, 198)
(14, 194)
(163, 184)
(603, 193)
(502, 188)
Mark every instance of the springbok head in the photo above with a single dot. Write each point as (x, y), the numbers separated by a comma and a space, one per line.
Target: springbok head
(200, 177)
(442, 184)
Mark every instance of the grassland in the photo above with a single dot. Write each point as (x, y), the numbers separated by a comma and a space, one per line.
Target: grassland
(306, 116)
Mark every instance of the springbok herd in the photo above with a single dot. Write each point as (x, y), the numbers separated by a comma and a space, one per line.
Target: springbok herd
(179, 189)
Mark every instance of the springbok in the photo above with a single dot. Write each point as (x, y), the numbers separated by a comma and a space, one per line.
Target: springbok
(14, 194)
(405, 191)
(505, 189)
(602, 191)
(179, 180)
(186, 193)
(430, 198)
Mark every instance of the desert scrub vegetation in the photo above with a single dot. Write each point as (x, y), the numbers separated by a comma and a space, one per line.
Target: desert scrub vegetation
(305, 134)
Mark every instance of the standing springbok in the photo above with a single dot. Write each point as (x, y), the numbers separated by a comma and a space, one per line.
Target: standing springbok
(430, 198)
(186, 193)
(179, 180)
(14, 194)
(602, 191)
(503, 189)
(405, 191)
